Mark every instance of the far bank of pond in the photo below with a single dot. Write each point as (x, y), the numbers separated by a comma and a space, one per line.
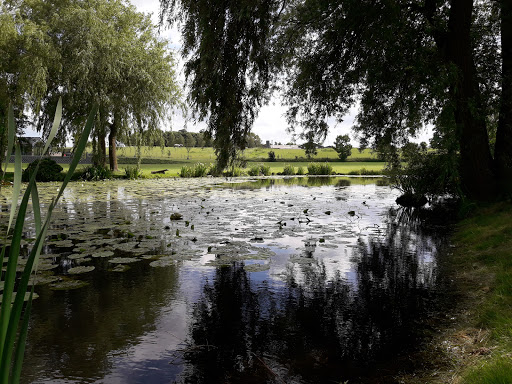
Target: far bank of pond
(297, 280)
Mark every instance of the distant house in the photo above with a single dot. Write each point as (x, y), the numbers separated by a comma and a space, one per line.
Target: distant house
(32, 146)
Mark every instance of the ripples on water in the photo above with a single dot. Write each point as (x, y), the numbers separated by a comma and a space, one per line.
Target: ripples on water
(296, 281)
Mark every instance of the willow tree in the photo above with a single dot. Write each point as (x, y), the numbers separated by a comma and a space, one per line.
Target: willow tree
(408, 63)
(228, 64)
(24, 60)
(110, 55)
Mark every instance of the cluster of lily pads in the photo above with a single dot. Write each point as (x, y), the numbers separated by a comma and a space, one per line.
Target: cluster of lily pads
(111, 225)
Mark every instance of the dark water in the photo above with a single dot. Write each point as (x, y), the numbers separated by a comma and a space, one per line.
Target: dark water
(313, 281)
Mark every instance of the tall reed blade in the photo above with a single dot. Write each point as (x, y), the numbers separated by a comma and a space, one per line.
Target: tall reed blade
(10, 317)
(17, 185)
(55, 126)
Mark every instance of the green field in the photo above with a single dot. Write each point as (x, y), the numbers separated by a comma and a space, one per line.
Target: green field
(251, 154)
(275, 167)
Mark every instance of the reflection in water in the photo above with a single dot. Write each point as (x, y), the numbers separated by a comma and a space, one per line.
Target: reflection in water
(282, 283)
(323, 329)
(310, 181)
(93, 322)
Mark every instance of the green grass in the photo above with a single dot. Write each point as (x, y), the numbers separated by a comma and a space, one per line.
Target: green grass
(484, 257)
(251, 154)
(498, 371)
(343, 168)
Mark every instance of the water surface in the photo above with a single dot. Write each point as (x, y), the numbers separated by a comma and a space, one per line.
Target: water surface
(304, 280)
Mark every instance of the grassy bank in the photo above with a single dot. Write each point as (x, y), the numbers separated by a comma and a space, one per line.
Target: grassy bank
(474, 343)
(343, 168)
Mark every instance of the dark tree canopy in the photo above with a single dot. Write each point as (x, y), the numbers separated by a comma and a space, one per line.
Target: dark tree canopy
(405, 63)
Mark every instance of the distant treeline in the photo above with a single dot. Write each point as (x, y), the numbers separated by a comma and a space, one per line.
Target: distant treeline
(185, 139)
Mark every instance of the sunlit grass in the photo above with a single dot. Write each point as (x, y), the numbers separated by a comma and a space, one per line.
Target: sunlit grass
(173, 169)
(251, 154)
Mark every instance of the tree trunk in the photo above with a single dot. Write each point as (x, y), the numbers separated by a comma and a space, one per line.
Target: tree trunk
(102, 149)
(503, 148)
(112, 151)
(477, 176)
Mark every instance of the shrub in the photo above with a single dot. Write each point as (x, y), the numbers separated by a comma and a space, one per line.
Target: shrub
(289, 170)
(186, 171)
(234, 172)
(95, 173)
(271, 156)
(201, 169)
(197, 170)
(132, 172)
(319, 169)
(265, 170)
(49, 170)
(431, 174)
(254, 170)
(364, 171)
(300, 171)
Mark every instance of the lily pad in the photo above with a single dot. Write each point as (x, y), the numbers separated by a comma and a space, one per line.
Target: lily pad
(103, 254)
(163, 262)
(77, 256)
(46, 266)
(68, 285)
(41, 279)
(256, 267)
(123, 260)
(81, 269)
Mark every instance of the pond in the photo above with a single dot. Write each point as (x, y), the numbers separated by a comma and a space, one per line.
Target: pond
(282, 280)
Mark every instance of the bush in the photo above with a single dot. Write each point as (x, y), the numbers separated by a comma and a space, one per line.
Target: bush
(186, 171)
(431, 174)
(201, 170)
(265, 170)
(95, 173)
(258, 170)
(197, 170)
(300, 171)
(319, 169)
(271, 156)
(289, 170)
(234, 172)
(132, 172)
(254, 170)
(49, 170)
